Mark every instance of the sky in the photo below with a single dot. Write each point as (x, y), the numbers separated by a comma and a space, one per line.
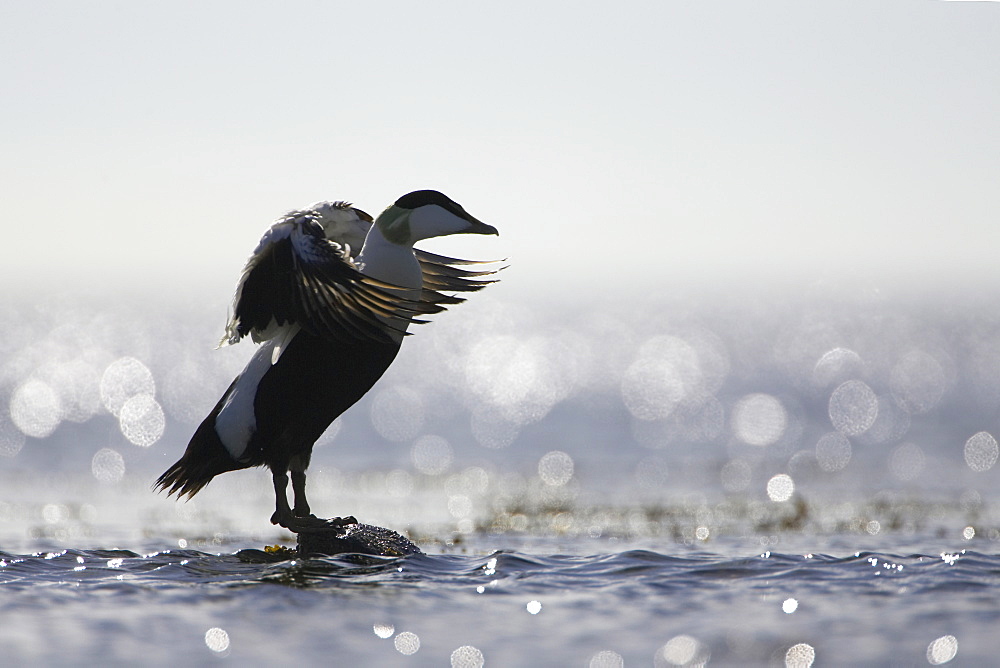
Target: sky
(625, 147)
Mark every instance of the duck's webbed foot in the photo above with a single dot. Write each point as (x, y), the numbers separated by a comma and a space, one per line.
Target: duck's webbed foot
(311, 523)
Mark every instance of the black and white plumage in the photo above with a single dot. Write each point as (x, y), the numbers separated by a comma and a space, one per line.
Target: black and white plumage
(330, 321)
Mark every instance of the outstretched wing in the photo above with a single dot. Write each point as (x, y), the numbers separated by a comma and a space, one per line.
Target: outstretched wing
(297, 276)
(441, 274)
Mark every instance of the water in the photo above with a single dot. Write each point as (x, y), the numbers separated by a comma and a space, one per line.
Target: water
(607, 604)
(751, 479)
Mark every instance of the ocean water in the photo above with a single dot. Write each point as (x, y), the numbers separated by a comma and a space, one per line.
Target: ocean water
(776, 477)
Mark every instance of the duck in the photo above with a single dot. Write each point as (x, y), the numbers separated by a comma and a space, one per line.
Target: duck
(329, 294)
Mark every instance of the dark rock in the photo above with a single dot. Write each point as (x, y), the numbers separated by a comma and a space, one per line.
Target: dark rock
(356, 539)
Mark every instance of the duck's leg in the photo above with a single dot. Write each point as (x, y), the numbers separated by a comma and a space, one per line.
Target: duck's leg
(300, 519)
(299, 492)
(283, 515)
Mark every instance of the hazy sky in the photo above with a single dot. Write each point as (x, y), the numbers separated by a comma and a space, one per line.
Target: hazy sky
(629, 143)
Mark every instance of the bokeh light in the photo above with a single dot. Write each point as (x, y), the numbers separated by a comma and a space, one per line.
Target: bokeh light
(123, 379)
(607, 659)
(759, 419)
(682, 650)
(800, 656)
(837, 366)
(141, 420)
(217, 639)
(942, 650)
(780, 487)
(407, 643)
(467, 656)
(108, 465)
(555, 468)
(981, 452)
(853, 408)
(383, 631)
(36, 409)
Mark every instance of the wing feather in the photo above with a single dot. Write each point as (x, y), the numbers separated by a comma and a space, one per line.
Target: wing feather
(441, 274)
(296, 276)
(423, 255)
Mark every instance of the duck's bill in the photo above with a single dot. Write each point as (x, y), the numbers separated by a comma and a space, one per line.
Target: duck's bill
(479, 227)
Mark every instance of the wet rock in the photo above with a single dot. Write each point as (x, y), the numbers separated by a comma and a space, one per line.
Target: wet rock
(356, 539)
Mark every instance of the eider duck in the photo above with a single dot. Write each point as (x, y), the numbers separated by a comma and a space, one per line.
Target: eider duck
(331, 321)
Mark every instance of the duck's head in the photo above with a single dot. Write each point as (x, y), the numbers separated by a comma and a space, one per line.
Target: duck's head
(423, 214)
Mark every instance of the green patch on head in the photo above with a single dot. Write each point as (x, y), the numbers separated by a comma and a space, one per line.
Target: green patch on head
(394, 223)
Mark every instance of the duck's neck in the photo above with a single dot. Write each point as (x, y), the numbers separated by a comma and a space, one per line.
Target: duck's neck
(390, 262)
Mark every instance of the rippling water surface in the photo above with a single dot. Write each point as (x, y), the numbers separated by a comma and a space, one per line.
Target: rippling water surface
(726, 481)
(639, 607)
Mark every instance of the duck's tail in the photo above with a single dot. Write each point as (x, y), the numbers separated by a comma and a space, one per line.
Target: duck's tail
(204, 458)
